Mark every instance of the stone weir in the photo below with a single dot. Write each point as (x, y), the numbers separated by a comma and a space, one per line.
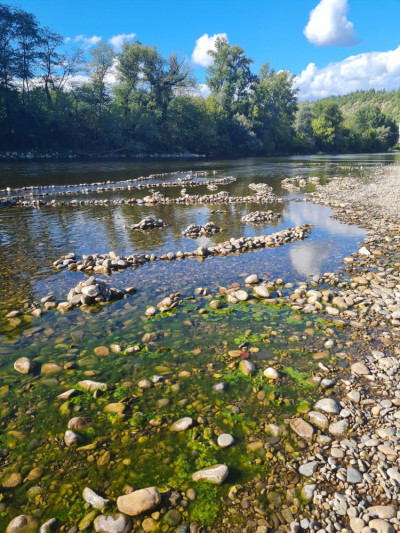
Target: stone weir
(111, 262)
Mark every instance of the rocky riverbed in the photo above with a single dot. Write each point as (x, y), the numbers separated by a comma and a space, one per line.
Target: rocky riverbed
(288, 420)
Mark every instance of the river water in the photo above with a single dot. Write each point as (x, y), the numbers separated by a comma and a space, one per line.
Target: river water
(189, 350)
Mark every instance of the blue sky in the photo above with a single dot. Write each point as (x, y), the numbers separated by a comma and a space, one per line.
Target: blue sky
(268, 30)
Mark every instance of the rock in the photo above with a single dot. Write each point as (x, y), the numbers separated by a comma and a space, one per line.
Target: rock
(101, 351)
(23, 524)
(12, 481)
(380, 526)
(182, 424)
(357, 524)
(332, 310)
(67, 394)
(308, 469)
(50, 368)
(215, 304)
(113, 523)
(364, 251)
(173, 517)
(328, 405)
(247, 367)
(150, 311)
(70, 438)
(302, 428)
(252, 279)
(241, 295)
(353, 475)
(307, 491)
(96, 501)
(23, 365)
(354, 396)
(139, 501)
(79, 423)
(262, 291)
(338, 428)
(271, 373)
(394, 474)
(225, 440)
(88, 384)
(215, 474)
(318, 419)
(360, 369)
(382, 511)
(51, 526)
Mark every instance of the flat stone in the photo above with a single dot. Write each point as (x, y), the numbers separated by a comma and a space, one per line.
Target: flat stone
(357, 524)
(360, 369)
(308, 469)
(139, 501)
(89, 385)
(354, 396)
(95, 500)
(380, 526)
(12, 481)
(67, 394)
(318, 419)
(302, 428)
(182, 424)
(338, 428)
(50, 368)
(101, 351)
(328, 405)
(382, 511)
(353, 475)
(79, 423)
(387, 450)
(215, 474)
(113, 523)
(117, 407)
(394, 474)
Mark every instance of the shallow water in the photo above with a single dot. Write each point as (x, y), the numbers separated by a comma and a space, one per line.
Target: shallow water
(190, 350)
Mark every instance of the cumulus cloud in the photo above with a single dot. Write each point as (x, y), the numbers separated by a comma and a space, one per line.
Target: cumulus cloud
(88, 41)
(203, 45)
(117, 41)
(371, 70)
(328, 25)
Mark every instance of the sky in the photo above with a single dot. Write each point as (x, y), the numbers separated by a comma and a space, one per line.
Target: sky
(332, 46)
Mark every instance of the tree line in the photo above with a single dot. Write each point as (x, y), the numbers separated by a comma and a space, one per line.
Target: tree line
(138, 101)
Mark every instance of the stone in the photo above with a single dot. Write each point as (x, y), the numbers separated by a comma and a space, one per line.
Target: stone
(215, 474)
(51, 526)
(139, 501)
(356, 524)
(79, 423)
(307, 491)
(353, 475)
(318, 419)
(381, 526)
(338, 428)
(113, 523)
(271, 373)
(12, 481)
(360, 369)
(101, 351)
(150, 311)
(94, 499)
(252, 279)
(70, 438)
(382, 511)
(88, 384)
(173, 517)
(302, 428)
(354, 396)
(225, 440)
(117, 407)
(332, 310)
(262, 291)
(247, 367)
(23, 524)
(23, 365)
(328, 405)
(67, 394)
(241, 295)
(308, 469)
(394, 474)
(182, 424)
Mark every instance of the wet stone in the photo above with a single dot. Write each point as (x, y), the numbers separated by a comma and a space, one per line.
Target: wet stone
(23, 365)
(302, 428)
(94, 499)
(214, 474)
(23, 524)
(113, 523)
(139, 501)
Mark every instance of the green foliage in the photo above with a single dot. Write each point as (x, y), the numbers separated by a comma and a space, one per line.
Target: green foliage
(207, 504)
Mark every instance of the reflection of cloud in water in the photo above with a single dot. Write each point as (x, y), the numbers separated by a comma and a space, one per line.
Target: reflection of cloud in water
(308, 257)
(319, 215)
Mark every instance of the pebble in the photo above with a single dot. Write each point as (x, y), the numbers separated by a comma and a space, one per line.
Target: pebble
(214, 474)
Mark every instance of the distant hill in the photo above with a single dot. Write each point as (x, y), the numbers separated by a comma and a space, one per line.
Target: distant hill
(388, 102)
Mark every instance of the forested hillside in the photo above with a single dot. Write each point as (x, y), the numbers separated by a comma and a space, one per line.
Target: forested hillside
(388, 102)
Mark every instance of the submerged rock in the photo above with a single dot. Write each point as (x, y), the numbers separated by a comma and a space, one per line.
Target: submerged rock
(139, 501)
(214, 474)
(23, 524)
(113, 523)
(23, 365)
(94, 499)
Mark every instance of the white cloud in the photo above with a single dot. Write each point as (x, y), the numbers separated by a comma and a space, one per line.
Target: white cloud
(117, 41)
(67, 40)
(88, 41)
(203, 45)
(371, 70)
(328, 25)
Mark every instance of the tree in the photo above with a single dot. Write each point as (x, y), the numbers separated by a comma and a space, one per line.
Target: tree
(327, 126)
(303, 127)
(100, 65)
(50, 59)
(229, 77)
